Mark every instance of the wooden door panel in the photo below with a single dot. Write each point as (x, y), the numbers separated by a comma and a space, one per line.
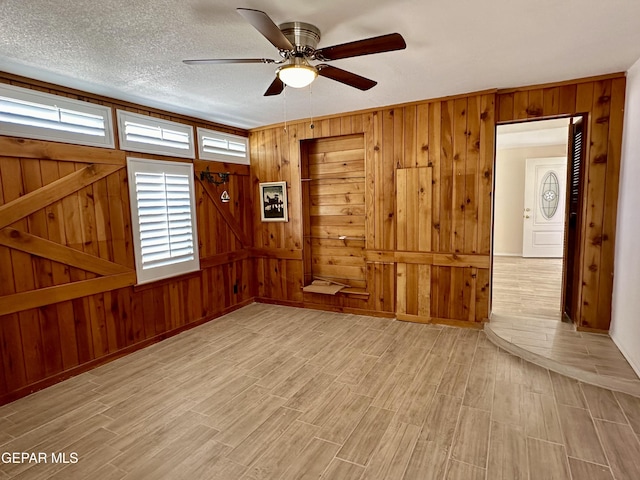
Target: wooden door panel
(336, 209)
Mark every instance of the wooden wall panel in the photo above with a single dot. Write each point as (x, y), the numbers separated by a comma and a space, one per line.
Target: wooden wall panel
(335, 205)
(602, 100)
(70, 222)
(427, 190)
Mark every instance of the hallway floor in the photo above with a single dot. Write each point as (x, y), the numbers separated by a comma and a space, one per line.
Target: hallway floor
(526, 314)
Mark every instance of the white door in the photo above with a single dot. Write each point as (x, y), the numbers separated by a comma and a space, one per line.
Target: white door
(544, 204)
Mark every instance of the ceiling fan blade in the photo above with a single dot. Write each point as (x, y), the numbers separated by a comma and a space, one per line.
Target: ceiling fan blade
(263, 23)
(228, 60)
(275, 88)
(348, 78)
(383, 43)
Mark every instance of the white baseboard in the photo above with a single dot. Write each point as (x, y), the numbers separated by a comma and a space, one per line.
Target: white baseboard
(498, 254)
(625, 354)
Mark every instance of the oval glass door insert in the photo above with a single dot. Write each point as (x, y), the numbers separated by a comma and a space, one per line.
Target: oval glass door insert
(550, 195)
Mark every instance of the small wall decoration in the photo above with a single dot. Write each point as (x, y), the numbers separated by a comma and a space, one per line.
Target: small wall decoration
(225, 197)
(273, 202)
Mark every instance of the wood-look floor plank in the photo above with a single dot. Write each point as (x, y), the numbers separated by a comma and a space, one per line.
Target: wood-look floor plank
(508, 403)
(365, 438)
(88, 466)
(464, 471)
(392, 455)
(339, 423)
(479, 391)
(454, 380)
(631, 407)
(224, 392)
(259, 440)
(358, 367)
(222, 417)
(392, 395)
(536, 379)
(445, 342)
(280, 373)
(312, 461)
(294, 382)
(602, 403)
(281, 453)
(236, 431)
(580, 435)
(507, 453)
(311, 392)
(341, 470)
(366, 339)
(151, 466)
(374, 381)
(589, 471)
(211, 469)
(471, 443)
(547, 461)
(465, 347)
(567, 391)
(509, 368)
(152, 441)
(622, 448)
(541, 419)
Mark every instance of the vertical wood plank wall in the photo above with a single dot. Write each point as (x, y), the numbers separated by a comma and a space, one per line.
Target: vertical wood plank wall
(427, 191)
(603, 102)
(428, 253)
(335, 239)
(39, 346)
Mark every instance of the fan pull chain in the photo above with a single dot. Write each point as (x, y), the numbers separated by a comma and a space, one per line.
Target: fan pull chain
(312, 126)
(284, 98)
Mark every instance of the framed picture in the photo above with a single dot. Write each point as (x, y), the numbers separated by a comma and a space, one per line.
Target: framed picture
(273, 202)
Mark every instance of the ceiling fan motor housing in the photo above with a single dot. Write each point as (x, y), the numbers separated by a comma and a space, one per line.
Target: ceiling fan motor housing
(303, 36)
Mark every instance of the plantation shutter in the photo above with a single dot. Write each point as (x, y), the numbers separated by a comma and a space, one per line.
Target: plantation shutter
(43, 116)
(223, 147)
(163, 214)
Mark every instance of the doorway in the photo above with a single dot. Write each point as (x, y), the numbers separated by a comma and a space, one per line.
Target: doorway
(529, 219)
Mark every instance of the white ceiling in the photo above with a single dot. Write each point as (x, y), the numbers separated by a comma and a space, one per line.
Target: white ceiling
(132, 50)
(538, 133)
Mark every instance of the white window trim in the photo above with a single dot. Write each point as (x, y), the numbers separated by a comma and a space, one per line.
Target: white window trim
(228, 156)
(48, 100)
(159, 166)
(153, 122)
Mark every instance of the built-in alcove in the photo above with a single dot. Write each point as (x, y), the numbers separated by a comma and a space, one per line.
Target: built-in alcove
(333, 196)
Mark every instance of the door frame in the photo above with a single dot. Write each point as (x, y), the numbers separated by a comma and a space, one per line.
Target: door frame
(577, 244)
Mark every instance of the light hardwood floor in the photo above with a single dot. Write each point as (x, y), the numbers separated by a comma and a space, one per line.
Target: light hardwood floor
(529, 287)
(525, 320)
(270, 392)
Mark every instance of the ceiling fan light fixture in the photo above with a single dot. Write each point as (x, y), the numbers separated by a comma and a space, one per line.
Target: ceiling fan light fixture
(298, 73)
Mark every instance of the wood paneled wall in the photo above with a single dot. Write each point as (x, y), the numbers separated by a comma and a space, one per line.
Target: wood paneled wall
(67, 300)
(428, 177)
(602, 100)
(67, 295)
(428, 169)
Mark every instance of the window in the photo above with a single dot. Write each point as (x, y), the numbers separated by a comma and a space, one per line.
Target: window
(223, 147)
(164, 221)
(43, 116)
(141, 133)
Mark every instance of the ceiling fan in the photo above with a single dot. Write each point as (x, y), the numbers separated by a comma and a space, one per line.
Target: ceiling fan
(296, 42)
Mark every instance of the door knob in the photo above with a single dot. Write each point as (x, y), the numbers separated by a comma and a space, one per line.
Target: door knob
(526, 216)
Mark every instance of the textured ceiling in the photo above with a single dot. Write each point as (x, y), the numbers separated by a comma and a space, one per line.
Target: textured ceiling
(132, 49)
